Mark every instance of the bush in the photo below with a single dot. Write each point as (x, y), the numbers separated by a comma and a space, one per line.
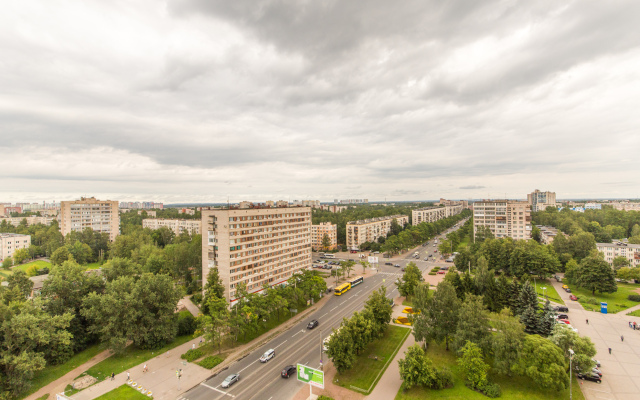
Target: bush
(196, 298)
(634, 297)
(323, 397)
(186, 324)
(432, 272)
(210, 362)
(592, 300)
(444, 379)
(192, 354)
(492, 390)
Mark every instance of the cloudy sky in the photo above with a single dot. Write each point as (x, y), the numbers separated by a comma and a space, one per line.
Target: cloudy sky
(200, 100)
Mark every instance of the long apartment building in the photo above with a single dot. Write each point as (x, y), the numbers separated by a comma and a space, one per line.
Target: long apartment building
(433, 214)
(192, 226)
(318, 232)
(31, 220)
(505, 218)
(369, 230)
(99, 215)
(10, 242)
(539, 201)
(612, 250)
(625, 206)
(255, 246)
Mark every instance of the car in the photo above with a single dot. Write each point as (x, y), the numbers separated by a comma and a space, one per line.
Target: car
(402, 269)
(573, 297)
(388, 263)
(568, 290)
(288, 371)
(566, 321)
(312, 324)
(435, 251)
(430, 255)
(596, 362)
(565, 287)
(589, 377)
(268, 355)
(230, 380)
(442, 272)
(562, 316)
(596, 371)
(397, 265)
(445, 268)
(561, 308)
(426, 258)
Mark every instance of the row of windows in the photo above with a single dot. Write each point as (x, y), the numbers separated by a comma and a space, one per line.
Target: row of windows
(267, 216)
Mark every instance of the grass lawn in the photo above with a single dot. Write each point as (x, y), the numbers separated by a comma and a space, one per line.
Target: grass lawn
(124, 392)
(366, 372)
(407, 302)
(635, 313)
(617, 301)
(39, 265)
(4, 274)
(53, 372)
(94, 265)
(130, 358)
(551, 292)
(515, 387)
(464, 243)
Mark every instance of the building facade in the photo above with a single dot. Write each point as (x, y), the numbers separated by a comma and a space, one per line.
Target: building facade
(255, 246)
(433, 214)
(10, 242)
(612, 250)
(192, 226)
(369, 230)
(15, 221)
(625, 206)
(593, 206)
(99, 215)
(539, 201)
(318, 232)
(505, 218)
(549, 233)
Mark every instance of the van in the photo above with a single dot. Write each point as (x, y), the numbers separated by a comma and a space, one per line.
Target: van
(268, 355)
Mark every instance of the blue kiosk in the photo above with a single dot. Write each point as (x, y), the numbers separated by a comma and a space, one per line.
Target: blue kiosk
(603, 308)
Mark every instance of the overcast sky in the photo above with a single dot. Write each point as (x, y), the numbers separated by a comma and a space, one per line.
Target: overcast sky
(198, 100)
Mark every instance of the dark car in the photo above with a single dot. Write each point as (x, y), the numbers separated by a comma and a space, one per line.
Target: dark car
(388, 263)
(593, 377)
(402, 269)
(561, 308)
(562, 316)
(312, 324)
(288, 371)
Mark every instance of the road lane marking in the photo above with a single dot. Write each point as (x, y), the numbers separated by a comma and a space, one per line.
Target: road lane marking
(217, 390)
(323, 315)
(302, 331)
(248, 366)
(280, 345)
(333, 308)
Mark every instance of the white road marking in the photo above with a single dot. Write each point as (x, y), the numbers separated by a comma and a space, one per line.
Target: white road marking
(217, 390)
(280, 345)
(296, 333)
(323, 315)
(248, 366)
(333, 308)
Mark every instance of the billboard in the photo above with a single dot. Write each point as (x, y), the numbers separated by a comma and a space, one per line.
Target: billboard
(373, 260)
(311, 376)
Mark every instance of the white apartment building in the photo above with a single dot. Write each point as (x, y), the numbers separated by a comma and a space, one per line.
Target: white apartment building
(593, 206)
(99, 215)
(10, 242)
(369, 230)
(150, 213)
(625, 206)
(433, 214)
(549, 233)
(612, 250)
(15, 221)
(255, 246)
(539, 201)
(192, 226)
(505, 218)
(318, 232)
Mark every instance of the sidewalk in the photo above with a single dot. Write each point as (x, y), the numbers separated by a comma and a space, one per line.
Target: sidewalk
(188, 304)
(388, 386)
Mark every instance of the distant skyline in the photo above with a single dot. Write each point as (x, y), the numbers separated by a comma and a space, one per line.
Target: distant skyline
(200, 100)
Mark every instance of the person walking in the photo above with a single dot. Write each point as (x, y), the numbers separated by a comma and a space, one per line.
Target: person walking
(609, 350)
(113, 376)
(145, 367)
(587, 321)
(128, 376)
(630, 325)
(622, 338)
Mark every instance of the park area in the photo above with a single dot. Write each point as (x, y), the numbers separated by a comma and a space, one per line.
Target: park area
(513, 388)
(616, 302)
(124, 392)
(374, 360)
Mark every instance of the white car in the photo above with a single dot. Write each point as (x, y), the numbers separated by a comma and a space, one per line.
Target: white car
(268, 355)
(231, 379)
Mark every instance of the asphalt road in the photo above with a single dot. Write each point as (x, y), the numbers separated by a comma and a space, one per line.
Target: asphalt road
(299, 345)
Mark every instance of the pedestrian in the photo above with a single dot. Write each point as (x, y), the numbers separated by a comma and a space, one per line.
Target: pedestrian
(113, 376)
(609, 350)
(587, 321)
(127, 375)
(145, 367)
(634, 325)
(622, 338)
(193, 346)
(630, 324)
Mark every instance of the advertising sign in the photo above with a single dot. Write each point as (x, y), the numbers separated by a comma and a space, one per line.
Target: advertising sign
(373, 260)
(311, 376)
(603, 308)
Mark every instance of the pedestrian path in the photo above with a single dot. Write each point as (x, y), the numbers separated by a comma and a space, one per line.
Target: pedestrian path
(388, 386)
(628, 310)
(188, 304)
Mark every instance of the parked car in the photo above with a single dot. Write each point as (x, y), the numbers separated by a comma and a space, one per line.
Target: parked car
(388, 263)
(573, 297)
(430, 255)
(590, 377)
(397, 265)
(595, 370)
(561, 308)
(288, 371)
(567, 290)
(566, 321)
(442, 272)
(402, 269)
(426, 258)
(231, 379)
(312, 324)
(268, 355)
(562, 316)
(565, 287)
(597, 362)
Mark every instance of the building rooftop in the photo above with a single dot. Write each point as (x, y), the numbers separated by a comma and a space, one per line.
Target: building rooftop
(368, 221)
(619, 245)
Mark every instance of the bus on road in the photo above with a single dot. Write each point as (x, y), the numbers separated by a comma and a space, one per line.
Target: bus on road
(328, 255)
(356, 281)
(342, 289)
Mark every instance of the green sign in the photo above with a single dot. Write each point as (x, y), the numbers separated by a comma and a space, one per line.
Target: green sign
(311, 376)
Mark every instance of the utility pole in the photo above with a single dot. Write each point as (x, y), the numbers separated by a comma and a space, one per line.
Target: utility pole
(321, 366)
(570, 358)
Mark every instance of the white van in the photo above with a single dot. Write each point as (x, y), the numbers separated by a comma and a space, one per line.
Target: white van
(268, 355)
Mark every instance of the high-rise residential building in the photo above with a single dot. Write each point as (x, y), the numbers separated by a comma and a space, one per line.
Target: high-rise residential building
(10, 242)
(99, 215)
(539, 201)
(192, 226)
(612, 250)
(433, 214)
(369, 230)
(255, 246)
(318, 232)
(505, 218)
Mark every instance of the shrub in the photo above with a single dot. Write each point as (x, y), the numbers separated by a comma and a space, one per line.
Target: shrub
(592, 300)
(192, 354)
(634, 297)
(492, 390)
(432, 272)
(196, 298)
(210, 362)
(323, 397)
(186, 324)
(444, 379)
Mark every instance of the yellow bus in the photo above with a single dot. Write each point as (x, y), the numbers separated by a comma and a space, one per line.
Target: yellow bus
(356, 281)
(342, 289)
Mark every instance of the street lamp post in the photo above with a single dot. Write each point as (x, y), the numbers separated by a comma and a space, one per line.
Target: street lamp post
(544, 292)
(570, 359)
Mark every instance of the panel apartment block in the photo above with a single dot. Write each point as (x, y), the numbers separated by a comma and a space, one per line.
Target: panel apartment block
(369, 230)
(10, 242)
(612, 250)
(433, 214)
(539, 201)
(255, 246)
(99, 215)
(192, 226)
(318, 232)
(505, 218)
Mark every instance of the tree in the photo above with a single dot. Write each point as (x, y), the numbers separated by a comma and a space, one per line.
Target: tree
(421, 297)
(595, 274)
(213, 287)
(163, 236)
(213, 325)
(61, 255)
(326, 242)
(507, 341)
(379, 308)
(527, 298)
(543, 362)
(20, 280)
(531, 320)
(582, 244)
(473, 324)
(535, 234)
(410, 279)
(571, 271)
(442, 314)
(583, 348)
(118, 267)
(483, 233)
(473, 365)
(20, 255)
(7, 263)
(361, 329)
(340, 349)
(627, 274)
(620, 262)
(445, 247)
(364, 265)
(347, 267)
(547, 320)
(416, 369)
